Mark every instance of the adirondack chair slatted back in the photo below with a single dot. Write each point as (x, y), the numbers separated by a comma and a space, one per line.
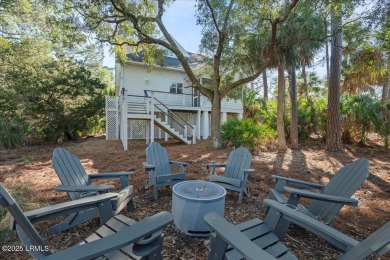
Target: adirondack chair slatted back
(157, 155)
(26, 230)
(344, 183)
(70, 170)
(238, 160)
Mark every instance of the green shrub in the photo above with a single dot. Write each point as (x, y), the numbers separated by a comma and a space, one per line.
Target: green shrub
(382, 125)
(245, 133)
(312, 116)
(12, 132)
(268, 113)
(360, 113)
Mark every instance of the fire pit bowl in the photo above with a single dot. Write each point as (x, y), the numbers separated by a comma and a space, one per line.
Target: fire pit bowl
(191, 200)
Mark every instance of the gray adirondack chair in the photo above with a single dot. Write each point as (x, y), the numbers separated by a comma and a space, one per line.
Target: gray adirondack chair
(256, 239)
(78, 184)
(158, 167)
(119, 235)
(236, 172)
(327, 203)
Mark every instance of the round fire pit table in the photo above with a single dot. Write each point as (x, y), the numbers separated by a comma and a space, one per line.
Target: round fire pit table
(191, 200)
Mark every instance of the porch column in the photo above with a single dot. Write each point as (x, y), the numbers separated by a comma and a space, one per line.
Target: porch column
(206, 131)
(198, 124)
(152, 116)
(223, 117)
(239, 116)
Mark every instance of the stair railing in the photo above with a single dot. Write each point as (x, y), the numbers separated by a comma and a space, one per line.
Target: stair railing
(158, 109)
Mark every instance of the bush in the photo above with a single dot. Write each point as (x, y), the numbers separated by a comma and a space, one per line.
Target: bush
(12, 132)
(382, 125)
(360, 113)
(245, 133)
(312, 116)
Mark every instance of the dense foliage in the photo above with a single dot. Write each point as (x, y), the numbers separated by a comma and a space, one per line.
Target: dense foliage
(51, 81)
(245, 133)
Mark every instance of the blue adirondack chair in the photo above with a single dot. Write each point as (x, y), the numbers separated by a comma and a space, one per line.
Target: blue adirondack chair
(327, 203)
(116, 239)
(78, 184)
(257, 239)
(158, 167)
(236, 172)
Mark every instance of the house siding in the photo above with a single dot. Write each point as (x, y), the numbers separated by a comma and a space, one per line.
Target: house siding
(138, 78)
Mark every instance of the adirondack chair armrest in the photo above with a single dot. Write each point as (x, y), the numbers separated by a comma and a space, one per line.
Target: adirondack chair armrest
(231, 235)
(213, 166)
(121, 239)
(148, 167)
(321, 196)
(69, 207)
(328, 233)
(109, 175)
(179, 163)
(90, 188)
(246, 173)
(282, 181)
(113, 175)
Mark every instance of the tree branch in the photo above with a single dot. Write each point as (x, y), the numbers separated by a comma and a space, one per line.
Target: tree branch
(171, 45)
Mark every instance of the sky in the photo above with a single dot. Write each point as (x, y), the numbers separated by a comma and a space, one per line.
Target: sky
(179, 19)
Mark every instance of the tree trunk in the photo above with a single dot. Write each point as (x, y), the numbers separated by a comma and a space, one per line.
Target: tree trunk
(304, 90)
(265, 85)
(333, 132)
(216, 140)
(282, 146)
(294, 109)
(385, 91)
(327, 53)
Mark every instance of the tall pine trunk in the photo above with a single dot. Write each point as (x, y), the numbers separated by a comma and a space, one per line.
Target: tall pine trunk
(265, 85)
(294, 109)
(333, 132)
(326, 47)
(282, 146)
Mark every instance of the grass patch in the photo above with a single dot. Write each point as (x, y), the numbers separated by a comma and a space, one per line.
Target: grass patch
(21, 193)
(25, 159)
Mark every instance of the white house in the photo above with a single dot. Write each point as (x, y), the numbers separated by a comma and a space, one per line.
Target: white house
(160, 102)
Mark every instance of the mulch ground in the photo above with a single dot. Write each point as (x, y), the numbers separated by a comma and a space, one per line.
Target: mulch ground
(30, 167)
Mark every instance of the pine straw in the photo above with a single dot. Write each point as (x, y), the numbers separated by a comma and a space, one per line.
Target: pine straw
(32, 166)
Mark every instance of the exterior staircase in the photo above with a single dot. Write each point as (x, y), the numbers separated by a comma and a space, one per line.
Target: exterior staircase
(171, 131)
(147, 108)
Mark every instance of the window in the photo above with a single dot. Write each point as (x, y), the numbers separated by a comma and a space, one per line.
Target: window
(175, 87)
(169, 53)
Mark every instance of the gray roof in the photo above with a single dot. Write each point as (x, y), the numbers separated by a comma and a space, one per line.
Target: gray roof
(195, 60)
